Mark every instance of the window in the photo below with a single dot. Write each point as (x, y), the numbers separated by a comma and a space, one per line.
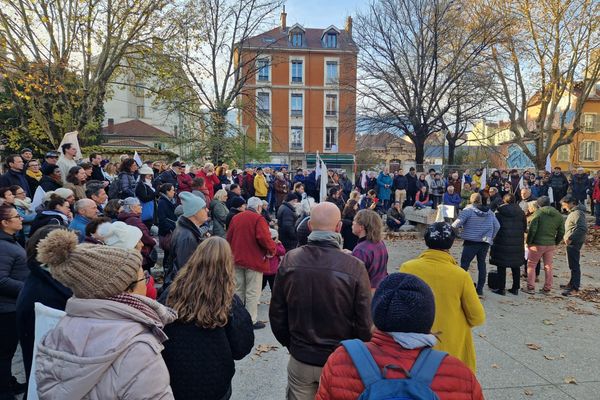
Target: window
(330, 40)
(140, 112)
(331, 139)
(563, 153)
(331, 72)
(297, 71)
(588, 151)
(296, 105)
(264, 136)
(296, 39)
(262, 65)
(589, 122)
(297, 138)
(331, 105)
(139, 90)
(262, 103)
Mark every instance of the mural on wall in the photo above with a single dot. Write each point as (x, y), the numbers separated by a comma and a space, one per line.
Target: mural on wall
(517, 159)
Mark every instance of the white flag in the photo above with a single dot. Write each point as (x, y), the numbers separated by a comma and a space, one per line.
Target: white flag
(521, 183)
(324, 177)
(71, 137)
(548, 164)
(462, 184)
(483, 179)
(137, 159)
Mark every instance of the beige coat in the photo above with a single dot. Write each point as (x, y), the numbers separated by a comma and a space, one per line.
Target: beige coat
(103, 350)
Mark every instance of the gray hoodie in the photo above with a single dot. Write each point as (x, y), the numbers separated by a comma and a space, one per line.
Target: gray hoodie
(575, 225)
(103, 349)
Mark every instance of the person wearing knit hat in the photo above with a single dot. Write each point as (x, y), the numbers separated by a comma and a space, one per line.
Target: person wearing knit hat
(189, 232)
(79, 359)
(66, 194)
(403, 309)
(457, 306)
(119, 234)
(238, 204)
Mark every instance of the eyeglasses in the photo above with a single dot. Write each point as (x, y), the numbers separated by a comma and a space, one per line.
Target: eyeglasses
(8, 218)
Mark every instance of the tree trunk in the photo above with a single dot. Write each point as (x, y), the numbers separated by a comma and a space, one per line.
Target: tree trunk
(451, 152)
(217, 140)
(419, 153)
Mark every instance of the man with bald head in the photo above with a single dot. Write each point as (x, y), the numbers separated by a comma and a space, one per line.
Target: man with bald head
(321, 296)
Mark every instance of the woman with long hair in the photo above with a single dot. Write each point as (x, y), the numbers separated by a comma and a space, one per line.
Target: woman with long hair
(13, 272)
(212, 329)
(126, 179)
(76, 182)
(371, 249)
(350, 210)
(57, 211)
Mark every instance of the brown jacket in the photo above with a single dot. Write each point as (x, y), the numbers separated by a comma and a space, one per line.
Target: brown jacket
(321, 296)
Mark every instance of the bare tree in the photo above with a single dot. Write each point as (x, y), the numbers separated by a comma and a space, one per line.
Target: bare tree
(412, 53)
(545, 70)
(211, 49)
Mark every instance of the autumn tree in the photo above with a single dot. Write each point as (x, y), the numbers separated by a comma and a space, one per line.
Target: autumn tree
(412, 54)
(545, 69)
(210, 47)
(60, 56)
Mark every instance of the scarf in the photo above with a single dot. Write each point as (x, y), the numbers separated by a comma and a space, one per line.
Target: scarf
(35, 175)
(333, 238)
(413, 340)
(24, 204)
(158, 314)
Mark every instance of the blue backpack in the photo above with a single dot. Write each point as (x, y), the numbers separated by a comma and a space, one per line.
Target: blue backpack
(416, 385)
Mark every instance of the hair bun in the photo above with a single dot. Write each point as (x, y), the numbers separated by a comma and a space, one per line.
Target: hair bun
(56, 247)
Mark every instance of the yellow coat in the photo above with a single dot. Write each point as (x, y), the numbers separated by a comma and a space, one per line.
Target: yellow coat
(261, 189)
(457, 307)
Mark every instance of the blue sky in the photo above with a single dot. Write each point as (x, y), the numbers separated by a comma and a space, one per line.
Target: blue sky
(322, 13)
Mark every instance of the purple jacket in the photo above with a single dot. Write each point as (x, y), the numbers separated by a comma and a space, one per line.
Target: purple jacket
(375, 257)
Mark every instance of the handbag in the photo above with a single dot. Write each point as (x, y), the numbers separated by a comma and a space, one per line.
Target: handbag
(147, 211)
(494, 280)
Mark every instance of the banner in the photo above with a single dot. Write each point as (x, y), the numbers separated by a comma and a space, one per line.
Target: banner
(71, 137)
(483, 179)
(137, 159)
(548, 164)
(324, 177)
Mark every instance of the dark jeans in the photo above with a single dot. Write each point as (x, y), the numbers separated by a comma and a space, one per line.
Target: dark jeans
(597, 213)
(270, 279)
(386, 204)
(573, 255)
(436, 201)
(8, 346)
(516, 276)
(558, 195)
(410, 199)
(470, 251)
(393, 225)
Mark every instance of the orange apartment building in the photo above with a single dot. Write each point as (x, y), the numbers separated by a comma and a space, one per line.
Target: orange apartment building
(300, 97)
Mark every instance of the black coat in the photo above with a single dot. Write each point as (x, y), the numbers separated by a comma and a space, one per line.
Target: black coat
(508, 249)
(350, 239)
(13, 271)
(42, 288)
(11, 178)
(286, 221)
(411, 183)
(48, 184)
(201, 361)
(47, 218)
(302, 231)
(167, 219)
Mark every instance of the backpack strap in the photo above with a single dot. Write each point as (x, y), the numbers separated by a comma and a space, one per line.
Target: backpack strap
(427, 364)
(363, 361)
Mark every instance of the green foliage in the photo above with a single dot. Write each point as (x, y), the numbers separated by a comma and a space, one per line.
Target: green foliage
(366, 160)
(149, 153)
(244, 149)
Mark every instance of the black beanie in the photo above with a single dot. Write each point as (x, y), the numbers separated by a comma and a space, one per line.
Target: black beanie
(439, 236)
(403, 303)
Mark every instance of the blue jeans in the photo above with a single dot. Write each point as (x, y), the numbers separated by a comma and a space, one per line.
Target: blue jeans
(393, 224)
(470, 251)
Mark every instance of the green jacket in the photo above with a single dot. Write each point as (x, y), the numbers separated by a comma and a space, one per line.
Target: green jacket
(575, 225)
(546, 228)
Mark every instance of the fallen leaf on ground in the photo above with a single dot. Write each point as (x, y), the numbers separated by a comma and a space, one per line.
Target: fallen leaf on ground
(528, 392)
(533, 346)
(481, 335)
(571, 380)
(495, 366)
(548, 322)
(561, 355)
(547, 357)
(265, 348)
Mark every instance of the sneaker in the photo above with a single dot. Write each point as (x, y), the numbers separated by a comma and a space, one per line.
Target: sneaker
(501, 292)
(259, 325)
(545, 291)
(16, 387)
(514, 291)
(529, 290)
(570, 292)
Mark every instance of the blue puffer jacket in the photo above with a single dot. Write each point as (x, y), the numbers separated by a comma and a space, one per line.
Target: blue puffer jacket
(384, 192)
(479, 224)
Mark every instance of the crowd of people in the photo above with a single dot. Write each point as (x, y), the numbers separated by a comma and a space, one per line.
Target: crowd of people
(83, 237)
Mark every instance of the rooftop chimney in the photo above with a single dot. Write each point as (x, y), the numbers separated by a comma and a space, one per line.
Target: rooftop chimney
(283, 19)
(111, 126)
(349, 25)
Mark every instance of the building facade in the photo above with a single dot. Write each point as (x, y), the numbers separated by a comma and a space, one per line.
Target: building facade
(299, 95)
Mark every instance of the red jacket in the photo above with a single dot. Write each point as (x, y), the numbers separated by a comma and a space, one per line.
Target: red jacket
(340, 380)
(250, 240)
(184, 182)
(596, 192)
(209, 182)
(276, 259)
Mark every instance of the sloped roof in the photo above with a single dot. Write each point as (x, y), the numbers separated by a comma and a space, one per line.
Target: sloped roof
(134, 128)
(379, 140)
(277, 38)
(125, 143)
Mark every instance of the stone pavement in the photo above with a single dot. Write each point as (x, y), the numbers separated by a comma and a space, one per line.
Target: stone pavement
(562, 331)
(529, 348)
